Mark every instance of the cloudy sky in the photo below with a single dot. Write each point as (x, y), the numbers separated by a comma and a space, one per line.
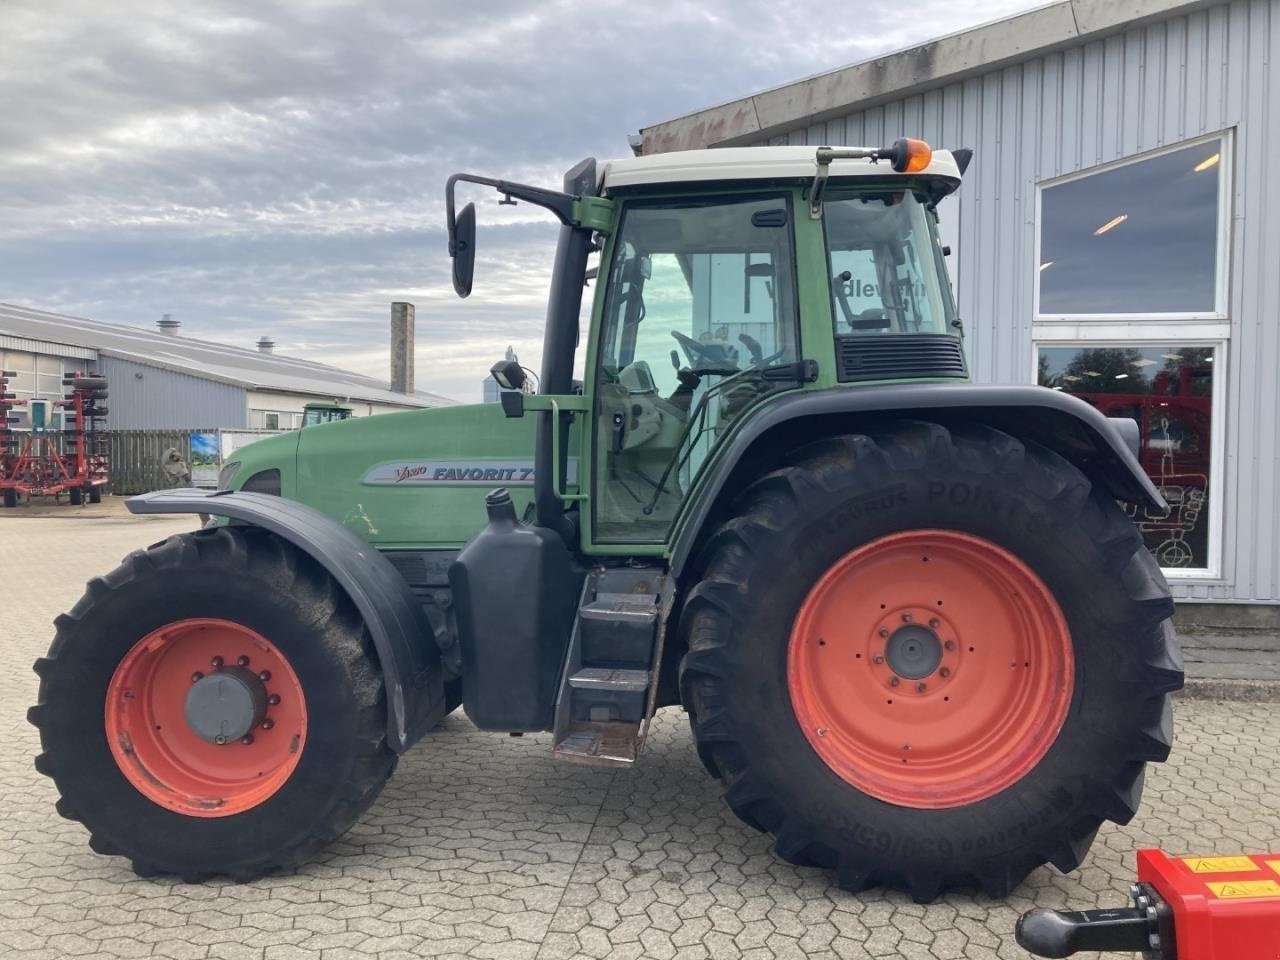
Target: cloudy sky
(277, 168)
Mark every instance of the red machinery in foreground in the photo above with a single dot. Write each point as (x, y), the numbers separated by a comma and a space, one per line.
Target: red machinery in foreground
(35, 466)
(1184, 908)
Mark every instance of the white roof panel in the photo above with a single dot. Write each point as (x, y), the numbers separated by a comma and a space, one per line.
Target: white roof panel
(753, 163)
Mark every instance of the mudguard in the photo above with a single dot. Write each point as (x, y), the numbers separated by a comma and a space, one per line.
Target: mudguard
(1104, 448)
(402, 637)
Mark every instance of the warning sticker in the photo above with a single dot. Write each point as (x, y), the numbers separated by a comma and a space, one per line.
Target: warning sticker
(1240, 889)
(1220, 864)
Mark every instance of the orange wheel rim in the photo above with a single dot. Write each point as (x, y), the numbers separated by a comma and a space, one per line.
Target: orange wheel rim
(206, 717)
(930, 669)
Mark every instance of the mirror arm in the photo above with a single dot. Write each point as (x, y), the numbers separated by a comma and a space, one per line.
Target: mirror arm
(560, 204)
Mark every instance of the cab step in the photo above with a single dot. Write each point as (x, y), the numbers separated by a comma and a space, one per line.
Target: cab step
(607, 690)
(605, 678)
(603, 744)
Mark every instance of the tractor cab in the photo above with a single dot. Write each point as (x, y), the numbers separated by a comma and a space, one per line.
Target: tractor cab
(727, 277)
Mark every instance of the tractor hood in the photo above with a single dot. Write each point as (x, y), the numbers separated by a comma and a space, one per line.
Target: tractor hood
(417, 479)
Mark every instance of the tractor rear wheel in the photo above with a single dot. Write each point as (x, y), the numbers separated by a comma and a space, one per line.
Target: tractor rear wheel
(213, 706)
(929, 658)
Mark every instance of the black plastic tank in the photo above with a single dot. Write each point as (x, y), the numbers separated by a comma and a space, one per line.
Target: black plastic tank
(515, 593)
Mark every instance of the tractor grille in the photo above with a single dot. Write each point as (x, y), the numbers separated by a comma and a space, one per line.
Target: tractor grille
(899, 357)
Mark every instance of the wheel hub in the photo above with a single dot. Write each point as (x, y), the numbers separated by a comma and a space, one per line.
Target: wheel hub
(913, 651)
(224, 706)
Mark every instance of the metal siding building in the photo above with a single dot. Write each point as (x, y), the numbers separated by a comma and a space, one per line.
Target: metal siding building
(153, 398)
(1075, 86)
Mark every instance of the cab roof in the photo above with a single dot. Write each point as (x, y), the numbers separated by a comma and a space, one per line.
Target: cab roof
(754, 163)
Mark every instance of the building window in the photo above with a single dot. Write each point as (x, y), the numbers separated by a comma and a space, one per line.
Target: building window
(271, 421)
(1169, 389)
(1143, 237)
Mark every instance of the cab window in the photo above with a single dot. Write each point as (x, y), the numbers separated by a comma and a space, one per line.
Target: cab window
(887, 273)
(701, 302)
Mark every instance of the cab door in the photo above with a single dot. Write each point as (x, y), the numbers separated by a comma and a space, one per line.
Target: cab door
(698, 317)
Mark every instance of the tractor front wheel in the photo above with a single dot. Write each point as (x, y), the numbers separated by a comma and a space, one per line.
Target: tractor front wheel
(213, 706)
(929, 658)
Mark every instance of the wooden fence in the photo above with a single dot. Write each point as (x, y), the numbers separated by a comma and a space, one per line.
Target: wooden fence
(137, 455)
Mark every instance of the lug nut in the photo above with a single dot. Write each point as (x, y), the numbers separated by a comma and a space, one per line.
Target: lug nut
(822, 731)
(247, 739)
(219, 739)
(921, 687)
(950, 644)
(883, 632)
(264, 676)
(894, 681)
(197, 677)
(216, 663)
(273, 699)
(906, 618)
(243, 661)
(268, 723)
(935, 623)
(879, 659)
(944, 672)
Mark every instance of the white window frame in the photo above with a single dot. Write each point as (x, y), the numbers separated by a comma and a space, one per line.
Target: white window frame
(1222, 271)
(1139, 333)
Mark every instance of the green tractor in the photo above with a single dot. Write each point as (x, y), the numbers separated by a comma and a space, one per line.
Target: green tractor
(318, 412)
(916, 637)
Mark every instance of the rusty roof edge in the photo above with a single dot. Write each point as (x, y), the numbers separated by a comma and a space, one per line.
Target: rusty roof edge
(925, 66)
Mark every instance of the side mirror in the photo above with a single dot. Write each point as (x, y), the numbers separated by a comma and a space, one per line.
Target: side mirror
(462, 248)
(509, 374)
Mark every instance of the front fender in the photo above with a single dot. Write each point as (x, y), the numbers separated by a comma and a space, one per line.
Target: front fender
(1104, 450)
(402, 637)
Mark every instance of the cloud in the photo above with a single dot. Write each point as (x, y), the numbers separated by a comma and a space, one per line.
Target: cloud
(278, 168)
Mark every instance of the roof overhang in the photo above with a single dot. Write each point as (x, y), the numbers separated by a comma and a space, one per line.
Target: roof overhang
(914, 70)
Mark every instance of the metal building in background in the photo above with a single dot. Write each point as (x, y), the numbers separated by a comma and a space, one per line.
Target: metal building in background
(1116, 236)
(160, 380)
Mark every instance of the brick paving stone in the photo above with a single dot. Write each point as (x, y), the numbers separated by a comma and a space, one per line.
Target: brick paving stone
(483, 847)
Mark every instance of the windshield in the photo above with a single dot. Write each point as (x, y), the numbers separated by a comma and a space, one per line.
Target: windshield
(701, 300)
(887, 272)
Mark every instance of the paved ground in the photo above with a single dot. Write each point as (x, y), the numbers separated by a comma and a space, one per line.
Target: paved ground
(483, 847)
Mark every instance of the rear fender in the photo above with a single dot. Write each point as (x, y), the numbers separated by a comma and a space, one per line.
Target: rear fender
(1105, 449)
(402, 637)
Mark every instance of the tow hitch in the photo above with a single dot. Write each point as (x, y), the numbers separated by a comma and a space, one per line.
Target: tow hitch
(1184, 908)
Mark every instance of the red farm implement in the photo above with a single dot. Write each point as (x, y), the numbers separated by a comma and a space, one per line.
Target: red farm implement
(60, 451)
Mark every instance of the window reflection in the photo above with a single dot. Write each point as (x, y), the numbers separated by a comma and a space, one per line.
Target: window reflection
(1168, 390)
(1141, 238)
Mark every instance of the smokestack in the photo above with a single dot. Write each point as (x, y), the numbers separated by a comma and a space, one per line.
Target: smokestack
(402, 347)
(168, 325)
(266, 345)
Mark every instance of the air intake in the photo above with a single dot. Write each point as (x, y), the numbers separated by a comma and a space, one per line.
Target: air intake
(899, 357)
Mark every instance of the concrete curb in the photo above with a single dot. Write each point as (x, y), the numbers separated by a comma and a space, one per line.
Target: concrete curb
(1248, 691)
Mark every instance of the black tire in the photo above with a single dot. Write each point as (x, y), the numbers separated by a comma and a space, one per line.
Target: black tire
(95, 494)
(252, 578)
(793, 524)
(77, 496)
(10, 498)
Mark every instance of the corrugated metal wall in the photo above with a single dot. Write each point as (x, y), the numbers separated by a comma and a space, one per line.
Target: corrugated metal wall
(152, 398)
(1151, 87)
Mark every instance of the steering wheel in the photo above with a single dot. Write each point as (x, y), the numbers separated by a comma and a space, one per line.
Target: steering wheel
(712, 356)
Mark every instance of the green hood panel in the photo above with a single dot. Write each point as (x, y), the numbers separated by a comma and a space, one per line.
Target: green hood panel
(416, 479)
